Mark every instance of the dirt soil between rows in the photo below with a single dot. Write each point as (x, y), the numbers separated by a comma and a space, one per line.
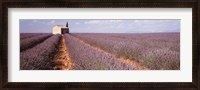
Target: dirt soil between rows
(61, 58)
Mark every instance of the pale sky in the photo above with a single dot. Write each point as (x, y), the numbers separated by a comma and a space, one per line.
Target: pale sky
(101, 26)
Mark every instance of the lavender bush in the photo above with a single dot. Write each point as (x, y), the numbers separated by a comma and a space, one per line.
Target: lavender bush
(32, 41)
(155, 50)
(40, 56)
(86, 58)
(28, 35)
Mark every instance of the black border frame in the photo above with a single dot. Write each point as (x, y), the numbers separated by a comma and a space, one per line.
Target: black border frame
(194, 4)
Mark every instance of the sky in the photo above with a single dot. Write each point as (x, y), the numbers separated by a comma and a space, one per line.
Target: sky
(101, 26)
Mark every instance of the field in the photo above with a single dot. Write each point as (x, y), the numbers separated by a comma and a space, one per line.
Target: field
(100, 51)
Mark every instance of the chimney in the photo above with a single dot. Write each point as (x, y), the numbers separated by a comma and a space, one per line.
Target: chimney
(67, 24)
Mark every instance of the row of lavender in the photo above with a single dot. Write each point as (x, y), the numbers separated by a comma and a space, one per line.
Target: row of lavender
(28, 35)
(156, 50)
(86, 58)
(33, 40)
(40, 56)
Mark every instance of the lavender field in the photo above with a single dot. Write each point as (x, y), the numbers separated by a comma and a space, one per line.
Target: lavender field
(31, 39)
(86, 58)
(156, 50)
(100, 51)
(39, 57)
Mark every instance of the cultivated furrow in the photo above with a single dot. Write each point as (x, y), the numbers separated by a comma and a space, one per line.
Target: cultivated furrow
(32, 41)
(85, 57)
(62, 59)
(136, 65)
(40, 56)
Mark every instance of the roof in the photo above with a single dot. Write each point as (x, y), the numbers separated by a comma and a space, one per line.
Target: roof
(62, 26)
